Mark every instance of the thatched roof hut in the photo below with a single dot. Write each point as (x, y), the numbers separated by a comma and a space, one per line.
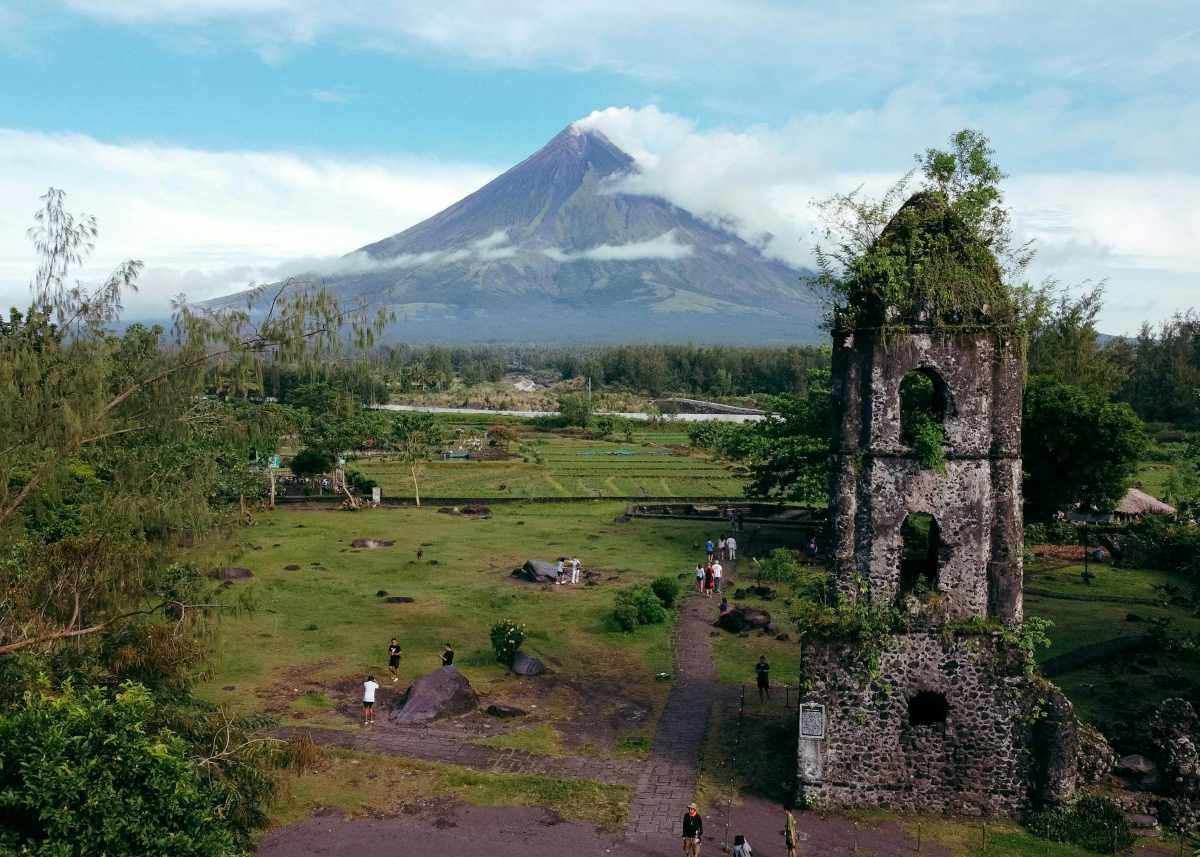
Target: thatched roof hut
(1137, 504)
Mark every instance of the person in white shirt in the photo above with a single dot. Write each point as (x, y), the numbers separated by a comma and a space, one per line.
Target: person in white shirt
(699, 578)
(721, 548)
(369, 688)
(562, 574)
(731, 549)
(717, 576)
(575, 570)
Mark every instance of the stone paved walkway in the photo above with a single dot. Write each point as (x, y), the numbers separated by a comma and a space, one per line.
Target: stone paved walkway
(452, 748)
(667, 782)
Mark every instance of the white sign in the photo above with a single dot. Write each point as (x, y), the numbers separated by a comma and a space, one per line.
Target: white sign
(376, 495)
(812, 720)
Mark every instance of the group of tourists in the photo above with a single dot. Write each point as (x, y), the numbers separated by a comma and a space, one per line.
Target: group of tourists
(370, 685)
(709, 573)
(568, 570)
(693, 832)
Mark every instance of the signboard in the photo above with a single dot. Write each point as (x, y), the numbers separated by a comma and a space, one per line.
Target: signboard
(376, 495)
(812, 720)
(275, 462)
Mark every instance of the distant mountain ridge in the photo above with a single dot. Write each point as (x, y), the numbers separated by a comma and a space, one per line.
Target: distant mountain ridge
(553, 251)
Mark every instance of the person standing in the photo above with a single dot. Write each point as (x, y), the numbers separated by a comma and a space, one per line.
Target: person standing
(790, 836)
(447, 655)
(741, 847)
(708, 549)
(763, 670)
(718, 570)
(731, 549)
(700, 578)
(721, 548)
(561, 571)
(369, 688)
(693, 829)
(575, 570)
(394, 659)
(708, 580)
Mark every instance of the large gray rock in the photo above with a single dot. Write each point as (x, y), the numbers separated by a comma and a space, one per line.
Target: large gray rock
(524, 664)
(743, 619)
(445, 692)
(537, 571)
(1096, 757)
(234, 573)
(1175, 731)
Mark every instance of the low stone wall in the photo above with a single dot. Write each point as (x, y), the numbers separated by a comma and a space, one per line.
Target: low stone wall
(980, 760)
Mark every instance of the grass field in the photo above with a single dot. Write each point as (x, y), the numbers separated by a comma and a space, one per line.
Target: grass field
(319, 628)
(652, 464)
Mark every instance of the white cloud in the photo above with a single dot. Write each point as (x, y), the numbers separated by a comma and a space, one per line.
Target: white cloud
(1138, 230)
(665, 246)
(329, 96)
(211, 222)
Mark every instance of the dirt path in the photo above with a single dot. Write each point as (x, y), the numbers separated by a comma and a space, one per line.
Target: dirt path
(452, 748)
(667, 782)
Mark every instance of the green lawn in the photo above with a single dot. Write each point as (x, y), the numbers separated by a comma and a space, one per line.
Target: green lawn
(652, 464)
(1109, 580)
(315, 631)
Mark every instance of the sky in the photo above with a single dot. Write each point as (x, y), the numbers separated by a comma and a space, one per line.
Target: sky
(225, 142)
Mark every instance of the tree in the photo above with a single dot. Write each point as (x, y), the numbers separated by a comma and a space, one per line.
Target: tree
(788, 451)
(415, 436)
(86, 774)
(312, 462)
(1064, 345)
(1078, 449)
(575, 409)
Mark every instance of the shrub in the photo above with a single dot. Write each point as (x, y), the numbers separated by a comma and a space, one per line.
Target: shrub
(1092, 822)
(575, 409)
(667, 590)
(85, 773)
(780, 566)
(507, 637)
(638, 605)
(358, 482)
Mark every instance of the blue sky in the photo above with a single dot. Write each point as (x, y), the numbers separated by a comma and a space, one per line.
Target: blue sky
(220, 139)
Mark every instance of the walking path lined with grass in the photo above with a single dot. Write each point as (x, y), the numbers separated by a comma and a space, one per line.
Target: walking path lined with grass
(667, 782)
(451, 748)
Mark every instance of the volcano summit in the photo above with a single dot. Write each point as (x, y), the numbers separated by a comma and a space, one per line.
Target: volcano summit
(554, 250)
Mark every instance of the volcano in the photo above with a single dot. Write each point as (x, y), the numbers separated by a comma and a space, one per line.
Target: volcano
(554, 250)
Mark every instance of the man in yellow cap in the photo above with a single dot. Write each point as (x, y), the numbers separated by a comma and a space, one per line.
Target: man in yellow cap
(693, 829)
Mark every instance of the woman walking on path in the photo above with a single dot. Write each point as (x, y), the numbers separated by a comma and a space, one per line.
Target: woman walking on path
(708, 580)
(699, 578)
(790, 836)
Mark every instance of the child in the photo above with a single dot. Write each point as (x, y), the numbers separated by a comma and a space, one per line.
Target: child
(369, 688)
(741, 848)
(394, 659)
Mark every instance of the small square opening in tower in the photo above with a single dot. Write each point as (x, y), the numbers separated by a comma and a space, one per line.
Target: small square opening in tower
(928, 708)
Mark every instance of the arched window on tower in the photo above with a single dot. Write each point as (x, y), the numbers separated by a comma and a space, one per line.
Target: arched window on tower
(924, 405)
(920, 556)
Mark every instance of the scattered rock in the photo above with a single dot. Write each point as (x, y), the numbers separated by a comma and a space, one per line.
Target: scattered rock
(291, 567)
(537, 571)
(1135, 765)
(381, 593)
(433, 562)
(524, 664)
(275, 545)
(764, 592)
(399, 599)
(445, 510)
(476, 510)
(621, 519)
(497, 710)
(234, 573)
(1142, 822)
(445, 692)
(783, 638)
(742, 619)
(1132, 617)
(371, 544)
(229, 687)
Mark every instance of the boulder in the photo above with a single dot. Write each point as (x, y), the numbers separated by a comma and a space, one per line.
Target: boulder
(741, 619)
(537, 571)
(445, 692)
(1096, 757)
(399, 599)
(371, 544)
(1175, 732)
(764, 592)
(505, 711)
(1137, 771)
(234, 573)
(524, 664)
(292, 567)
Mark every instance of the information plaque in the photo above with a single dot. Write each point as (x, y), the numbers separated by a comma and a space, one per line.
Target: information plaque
(812, 720)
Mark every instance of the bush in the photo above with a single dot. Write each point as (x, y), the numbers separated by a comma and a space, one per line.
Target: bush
(1158, 542)
(507, 637)
(84, 774)
(638, 605)
(575, 409)
(1092, 822)
(667, 590)
(359, 483)
(780, 566)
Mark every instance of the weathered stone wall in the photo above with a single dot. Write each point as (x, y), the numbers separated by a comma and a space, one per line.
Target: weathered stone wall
(876, 482)
(981, 761)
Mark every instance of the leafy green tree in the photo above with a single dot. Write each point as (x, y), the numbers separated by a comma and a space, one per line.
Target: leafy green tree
(85, 774)
(575, 409)
(788, 451)
(1065, 345)
(415, 436)
(1078, 449)
(311, 461)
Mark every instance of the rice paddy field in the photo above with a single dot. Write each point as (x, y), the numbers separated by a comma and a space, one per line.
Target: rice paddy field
(545, 464)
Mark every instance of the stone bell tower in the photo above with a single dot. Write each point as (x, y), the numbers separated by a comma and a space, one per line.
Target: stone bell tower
(933, 714)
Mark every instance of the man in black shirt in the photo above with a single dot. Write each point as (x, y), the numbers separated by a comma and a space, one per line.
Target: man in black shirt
(693, 829)
(448, 655)
(763, 669)
(394, 659)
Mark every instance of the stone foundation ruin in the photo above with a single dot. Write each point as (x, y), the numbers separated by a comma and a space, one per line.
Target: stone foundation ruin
(944, 717)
